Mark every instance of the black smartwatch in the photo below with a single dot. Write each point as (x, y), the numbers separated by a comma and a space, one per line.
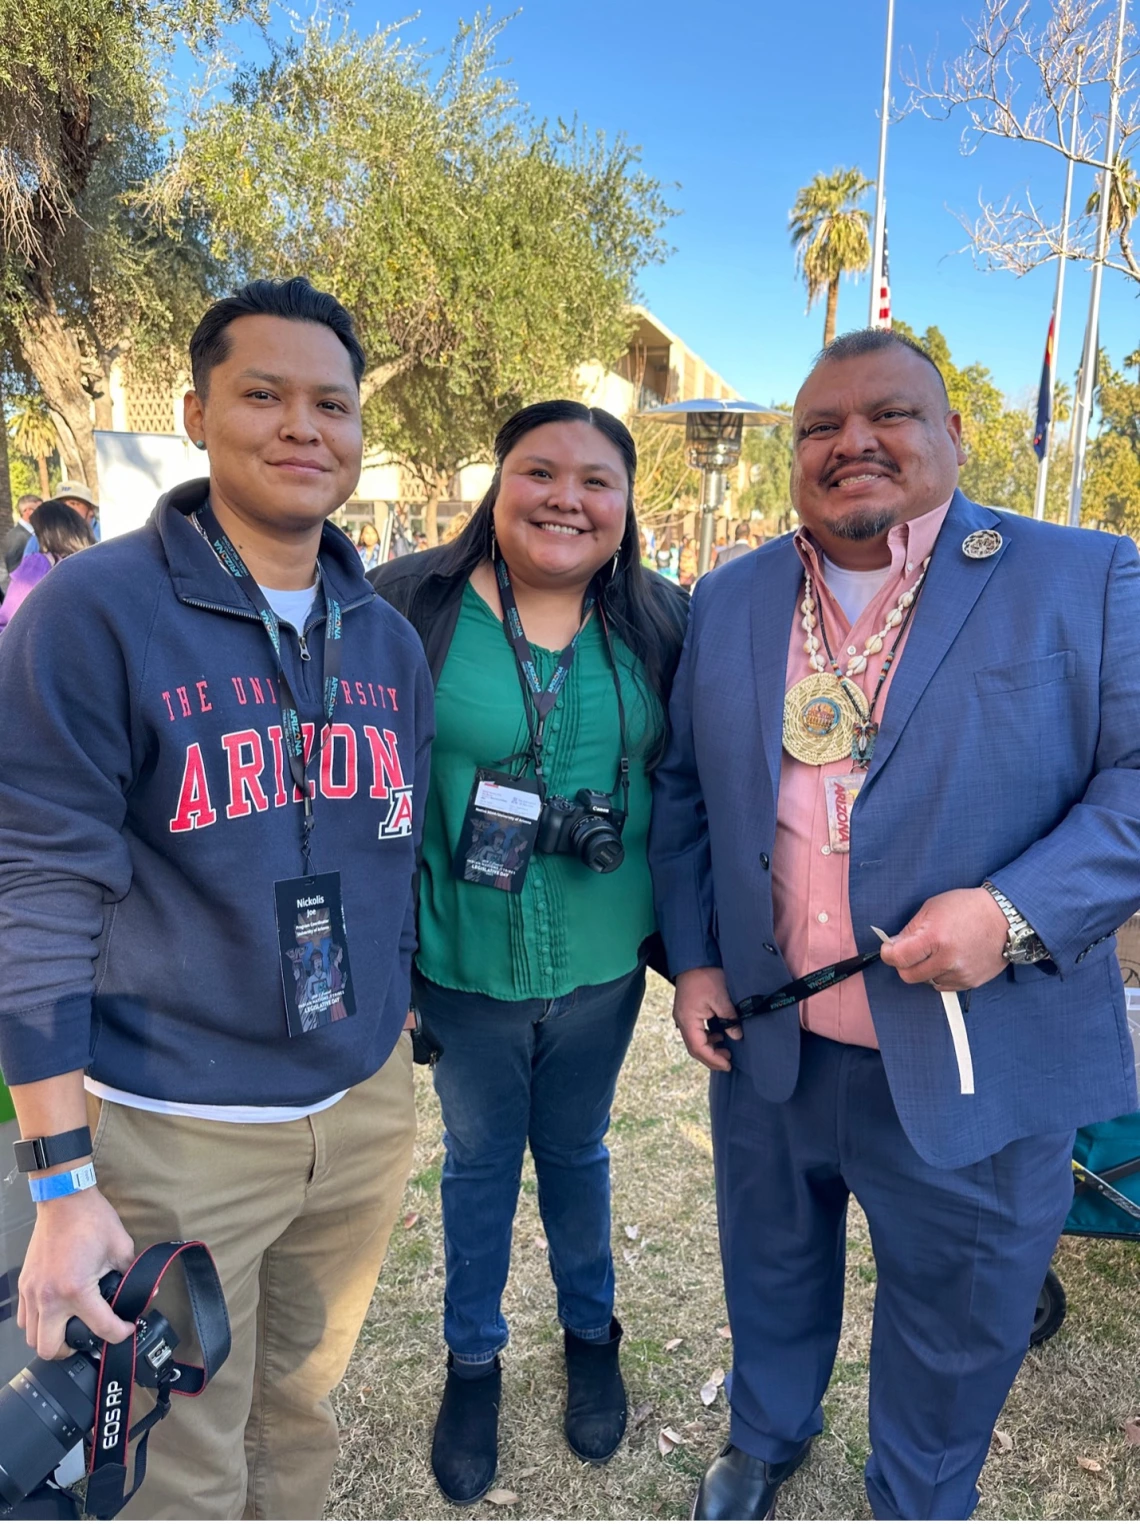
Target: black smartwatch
(45, 1153)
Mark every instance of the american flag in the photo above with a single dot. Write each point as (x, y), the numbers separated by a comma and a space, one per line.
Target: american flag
(882, 318)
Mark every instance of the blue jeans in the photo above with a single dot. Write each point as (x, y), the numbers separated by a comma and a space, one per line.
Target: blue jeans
(541, 1072)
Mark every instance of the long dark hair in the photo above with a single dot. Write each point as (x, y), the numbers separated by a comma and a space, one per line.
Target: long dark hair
(59, 530)
(653, 627)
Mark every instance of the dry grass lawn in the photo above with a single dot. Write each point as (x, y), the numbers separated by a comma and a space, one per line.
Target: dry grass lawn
(1069, 1403)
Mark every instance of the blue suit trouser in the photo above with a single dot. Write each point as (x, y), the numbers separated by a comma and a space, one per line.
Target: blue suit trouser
(961, 1255)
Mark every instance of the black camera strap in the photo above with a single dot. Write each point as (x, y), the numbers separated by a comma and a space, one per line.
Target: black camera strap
(538, 701)
(107, 1479)
(791, 994)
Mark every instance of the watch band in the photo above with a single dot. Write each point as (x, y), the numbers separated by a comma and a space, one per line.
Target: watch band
(46, 1153)
(68, 1183)
(1022, 944)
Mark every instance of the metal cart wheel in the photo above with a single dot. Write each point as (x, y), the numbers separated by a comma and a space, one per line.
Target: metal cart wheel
(1051, 1306)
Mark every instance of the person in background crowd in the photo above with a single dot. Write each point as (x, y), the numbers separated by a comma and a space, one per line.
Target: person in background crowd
(956, 693)
(421, 540)
(648, 560)
(59, 532)
(368, 546)
(456, 524)
(741, 545)
(16, 540)
(76, 496)
(687, 565)
(533, 943)
(158, 874)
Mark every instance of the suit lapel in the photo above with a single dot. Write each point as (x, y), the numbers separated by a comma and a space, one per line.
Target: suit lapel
(776, 584)
(953, 585)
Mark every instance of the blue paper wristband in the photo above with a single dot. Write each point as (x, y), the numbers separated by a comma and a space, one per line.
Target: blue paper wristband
(67, 1183)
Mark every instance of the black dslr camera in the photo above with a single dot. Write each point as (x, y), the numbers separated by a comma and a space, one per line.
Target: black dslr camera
(52, 1405)
(588, 827)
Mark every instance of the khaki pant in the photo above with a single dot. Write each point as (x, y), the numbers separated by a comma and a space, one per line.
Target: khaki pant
(297, 1216)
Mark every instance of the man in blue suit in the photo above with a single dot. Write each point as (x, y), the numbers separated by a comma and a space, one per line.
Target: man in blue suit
(923, 715)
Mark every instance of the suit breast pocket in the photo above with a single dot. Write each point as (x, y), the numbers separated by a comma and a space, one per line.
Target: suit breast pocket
(1036, 672)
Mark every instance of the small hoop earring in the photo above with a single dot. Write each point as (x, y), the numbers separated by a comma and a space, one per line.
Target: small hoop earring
(614, 564)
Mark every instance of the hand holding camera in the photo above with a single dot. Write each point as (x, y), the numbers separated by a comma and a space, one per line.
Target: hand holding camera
(76, 1241)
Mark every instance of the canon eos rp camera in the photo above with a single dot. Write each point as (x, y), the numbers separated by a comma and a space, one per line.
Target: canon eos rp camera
(587, 827)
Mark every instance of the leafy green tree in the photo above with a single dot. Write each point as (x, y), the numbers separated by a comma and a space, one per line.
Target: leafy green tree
(485, 255)
(830, 235)
(86, 271)
(1111, 497)
(32, 434)
(666, 483)
(768, 454)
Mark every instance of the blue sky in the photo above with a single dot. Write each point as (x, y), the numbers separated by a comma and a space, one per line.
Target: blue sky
(735, 105)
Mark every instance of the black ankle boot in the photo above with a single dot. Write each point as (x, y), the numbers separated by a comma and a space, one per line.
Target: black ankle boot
(595, 1396)
(465, 1447)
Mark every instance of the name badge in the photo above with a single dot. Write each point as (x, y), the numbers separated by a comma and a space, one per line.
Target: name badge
(500, 827)
(315, 971)
(841, 793)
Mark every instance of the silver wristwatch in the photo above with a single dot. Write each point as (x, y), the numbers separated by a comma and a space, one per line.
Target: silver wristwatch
(1022, 945)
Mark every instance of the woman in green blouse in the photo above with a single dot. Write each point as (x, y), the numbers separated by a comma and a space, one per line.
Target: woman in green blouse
(552, 650)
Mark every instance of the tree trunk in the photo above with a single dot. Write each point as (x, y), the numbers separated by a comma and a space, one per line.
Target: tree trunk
(832, 308)
(53, 355)
(45, 489)
(6, 513)
(436, 491)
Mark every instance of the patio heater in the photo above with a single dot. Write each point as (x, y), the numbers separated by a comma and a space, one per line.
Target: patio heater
(714, 430)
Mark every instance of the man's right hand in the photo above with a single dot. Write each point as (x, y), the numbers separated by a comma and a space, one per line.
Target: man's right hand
(701, 993)
(76, 1240)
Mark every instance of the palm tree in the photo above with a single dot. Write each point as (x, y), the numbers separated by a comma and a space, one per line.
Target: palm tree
(1123, 198)
(33, 434)
(830, 236)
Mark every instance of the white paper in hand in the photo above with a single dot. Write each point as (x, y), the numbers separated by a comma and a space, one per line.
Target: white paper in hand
(957, 1024)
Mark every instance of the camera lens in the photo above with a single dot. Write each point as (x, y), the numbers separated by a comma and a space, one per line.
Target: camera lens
(44, 1412)
(598, 844)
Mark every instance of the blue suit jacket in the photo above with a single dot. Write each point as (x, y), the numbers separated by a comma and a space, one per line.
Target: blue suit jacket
(1009, 750)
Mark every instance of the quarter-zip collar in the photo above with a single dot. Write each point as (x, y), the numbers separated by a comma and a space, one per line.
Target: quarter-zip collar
(197, 577)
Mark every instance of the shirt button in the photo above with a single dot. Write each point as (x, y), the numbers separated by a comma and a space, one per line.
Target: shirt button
(768, 948)
(851, 651)
(764, 860)
(910, 566)
(826, 850)
(823, 918)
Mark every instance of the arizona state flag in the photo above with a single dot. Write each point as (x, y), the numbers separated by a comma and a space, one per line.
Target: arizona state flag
(1045, 398)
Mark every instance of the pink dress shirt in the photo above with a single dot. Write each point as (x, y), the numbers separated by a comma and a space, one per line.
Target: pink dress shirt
(812, 911)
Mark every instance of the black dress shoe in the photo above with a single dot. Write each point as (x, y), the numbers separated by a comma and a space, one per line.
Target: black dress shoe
(465, 1448)
(738, 1486)
(595, 1396)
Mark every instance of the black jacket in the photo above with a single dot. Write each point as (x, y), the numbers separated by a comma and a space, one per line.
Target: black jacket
(429, 598)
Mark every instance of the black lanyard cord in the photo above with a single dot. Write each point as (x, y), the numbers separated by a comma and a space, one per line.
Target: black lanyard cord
(292, 731)
(538, 701)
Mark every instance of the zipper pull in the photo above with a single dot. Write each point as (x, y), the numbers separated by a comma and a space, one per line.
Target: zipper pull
(304, 646)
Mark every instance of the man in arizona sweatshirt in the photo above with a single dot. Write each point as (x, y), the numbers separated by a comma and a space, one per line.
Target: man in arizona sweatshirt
(213, 761)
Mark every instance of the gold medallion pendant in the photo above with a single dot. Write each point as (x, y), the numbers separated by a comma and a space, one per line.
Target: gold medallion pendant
(819, 725)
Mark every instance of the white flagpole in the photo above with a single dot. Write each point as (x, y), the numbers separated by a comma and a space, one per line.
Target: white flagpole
(881, 180)
(1058, 299)
(1083, 411)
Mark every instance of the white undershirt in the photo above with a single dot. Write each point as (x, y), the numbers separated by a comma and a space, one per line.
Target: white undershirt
(292, 606)
(853, 590)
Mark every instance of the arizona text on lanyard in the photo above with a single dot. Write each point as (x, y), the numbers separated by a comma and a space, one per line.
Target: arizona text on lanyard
(291, 729)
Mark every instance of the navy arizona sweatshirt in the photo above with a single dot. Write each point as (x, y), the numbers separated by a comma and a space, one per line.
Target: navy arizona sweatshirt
(146, 811)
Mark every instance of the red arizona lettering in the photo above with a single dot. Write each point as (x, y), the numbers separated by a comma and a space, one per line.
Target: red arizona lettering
(385, 762)
(194, 808)
(279, 795)
(347, 788)
(246, 792)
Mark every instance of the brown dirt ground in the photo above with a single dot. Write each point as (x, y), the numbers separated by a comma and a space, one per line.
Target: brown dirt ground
(1070, 1400)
